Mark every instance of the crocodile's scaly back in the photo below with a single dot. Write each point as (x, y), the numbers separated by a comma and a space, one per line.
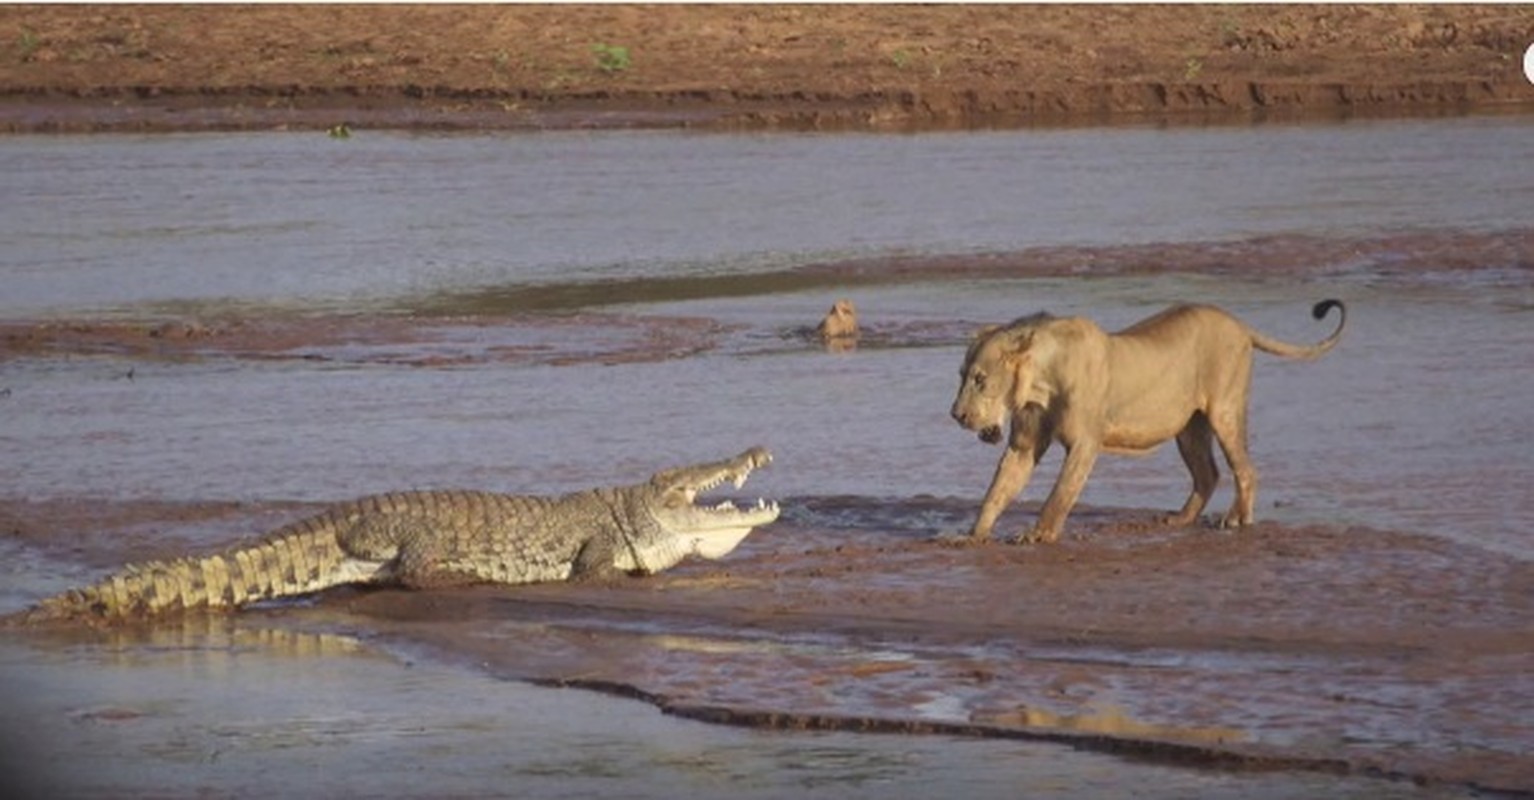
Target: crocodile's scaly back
(444, 538)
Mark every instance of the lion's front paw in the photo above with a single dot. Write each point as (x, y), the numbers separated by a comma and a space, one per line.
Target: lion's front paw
(1231, 522)
(1177, 520)
(1038, 536)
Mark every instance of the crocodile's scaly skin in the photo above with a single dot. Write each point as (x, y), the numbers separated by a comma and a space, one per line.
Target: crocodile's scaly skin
(438, 538)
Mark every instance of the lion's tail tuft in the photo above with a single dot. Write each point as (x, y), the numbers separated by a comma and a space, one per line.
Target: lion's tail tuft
(1278, 347)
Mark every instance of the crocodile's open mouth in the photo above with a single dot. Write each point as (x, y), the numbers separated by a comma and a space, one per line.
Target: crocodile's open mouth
(712, 529)
(761, 513)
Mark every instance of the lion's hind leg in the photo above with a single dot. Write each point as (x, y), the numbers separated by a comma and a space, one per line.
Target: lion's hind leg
(1196, 445)
(1230, 428)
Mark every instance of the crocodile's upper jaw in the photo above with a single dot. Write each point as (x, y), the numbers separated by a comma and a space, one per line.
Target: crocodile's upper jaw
(708, 530)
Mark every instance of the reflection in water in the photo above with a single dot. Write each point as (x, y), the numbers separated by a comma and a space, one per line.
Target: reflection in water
(845, 344)
(211, 640)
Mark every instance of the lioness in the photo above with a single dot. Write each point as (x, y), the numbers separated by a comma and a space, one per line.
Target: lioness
(1185, 372)
(841, 322)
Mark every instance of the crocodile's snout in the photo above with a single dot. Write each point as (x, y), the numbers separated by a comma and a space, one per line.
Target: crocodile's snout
(758, 457)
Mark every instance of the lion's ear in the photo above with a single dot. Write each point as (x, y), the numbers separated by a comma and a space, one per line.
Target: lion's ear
(1018, 359)
(984, 332)
(1020, 354)
(1021, 363)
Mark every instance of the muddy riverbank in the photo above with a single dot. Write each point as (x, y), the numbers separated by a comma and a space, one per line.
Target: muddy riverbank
(1344, 651)
(158, 68)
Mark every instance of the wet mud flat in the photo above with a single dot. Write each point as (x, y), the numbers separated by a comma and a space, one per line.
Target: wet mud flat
(1339, 650)
(1307, 649)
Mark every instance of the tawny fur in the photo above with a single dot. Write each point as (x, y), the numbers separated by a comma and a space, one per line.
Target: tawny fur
(841, 322)
(1184, 373)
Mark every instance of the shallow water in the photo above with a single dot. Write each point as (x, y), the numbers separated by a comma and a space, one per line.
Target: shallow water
(1418, 421)
(237, 709)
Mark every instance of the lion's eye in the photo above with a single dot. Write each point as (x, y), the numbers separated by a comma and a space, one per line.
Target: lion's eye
(979, 380)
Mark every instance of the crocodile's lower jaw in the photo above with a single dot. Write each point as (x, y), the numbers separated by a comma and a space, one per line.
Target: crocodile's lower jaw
(713, 533)
(718, 543)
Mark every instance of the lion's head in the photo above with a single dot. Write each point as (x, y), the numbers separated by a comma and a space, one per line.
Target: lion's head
(997, 377)
(841, 321)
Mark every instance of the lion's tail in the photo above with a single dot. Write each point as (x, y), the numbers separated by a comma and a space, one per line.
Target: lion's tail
(1268, 344)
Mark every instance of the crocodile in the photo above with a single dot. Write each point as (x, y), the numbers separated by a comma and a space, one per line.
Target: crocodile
(434, 538)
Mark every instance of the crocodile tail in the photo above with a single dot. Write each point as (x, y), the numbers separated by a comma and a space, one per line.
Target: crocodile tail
(299, 559)
(1278, 347)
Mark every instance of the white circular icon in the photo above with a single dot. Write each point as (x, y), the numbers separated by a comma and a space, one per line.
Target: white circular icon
(1528, 63)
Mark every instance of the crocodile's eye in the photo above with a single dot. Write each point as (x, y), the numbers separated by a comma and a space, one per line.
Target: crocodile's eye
(676, 498)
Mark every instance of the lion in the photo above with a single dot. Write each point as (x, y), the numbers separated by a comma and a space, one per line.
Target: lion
(1184, 373)
(841, 322)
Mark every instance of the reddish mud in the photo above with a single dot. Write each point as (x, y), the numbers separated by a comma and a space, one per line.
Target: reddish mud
(372, 339)
(123, 67)
(1321, 648)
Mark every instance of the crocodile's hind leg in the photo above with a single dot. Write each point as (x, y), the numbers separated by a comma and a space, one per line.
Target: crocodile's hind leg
(414, 554)
(422, 564)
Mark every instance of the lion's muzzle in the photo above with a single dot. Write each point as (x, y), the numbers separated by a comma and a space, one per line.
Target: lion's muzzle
(990, 434)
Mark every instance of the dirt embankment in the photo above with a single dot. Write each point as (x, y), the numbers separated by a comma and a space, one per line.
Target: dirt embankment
(207, 67)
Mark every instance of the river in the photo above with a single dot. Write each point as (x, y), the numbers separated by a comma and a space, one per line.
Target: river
(590, 246)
